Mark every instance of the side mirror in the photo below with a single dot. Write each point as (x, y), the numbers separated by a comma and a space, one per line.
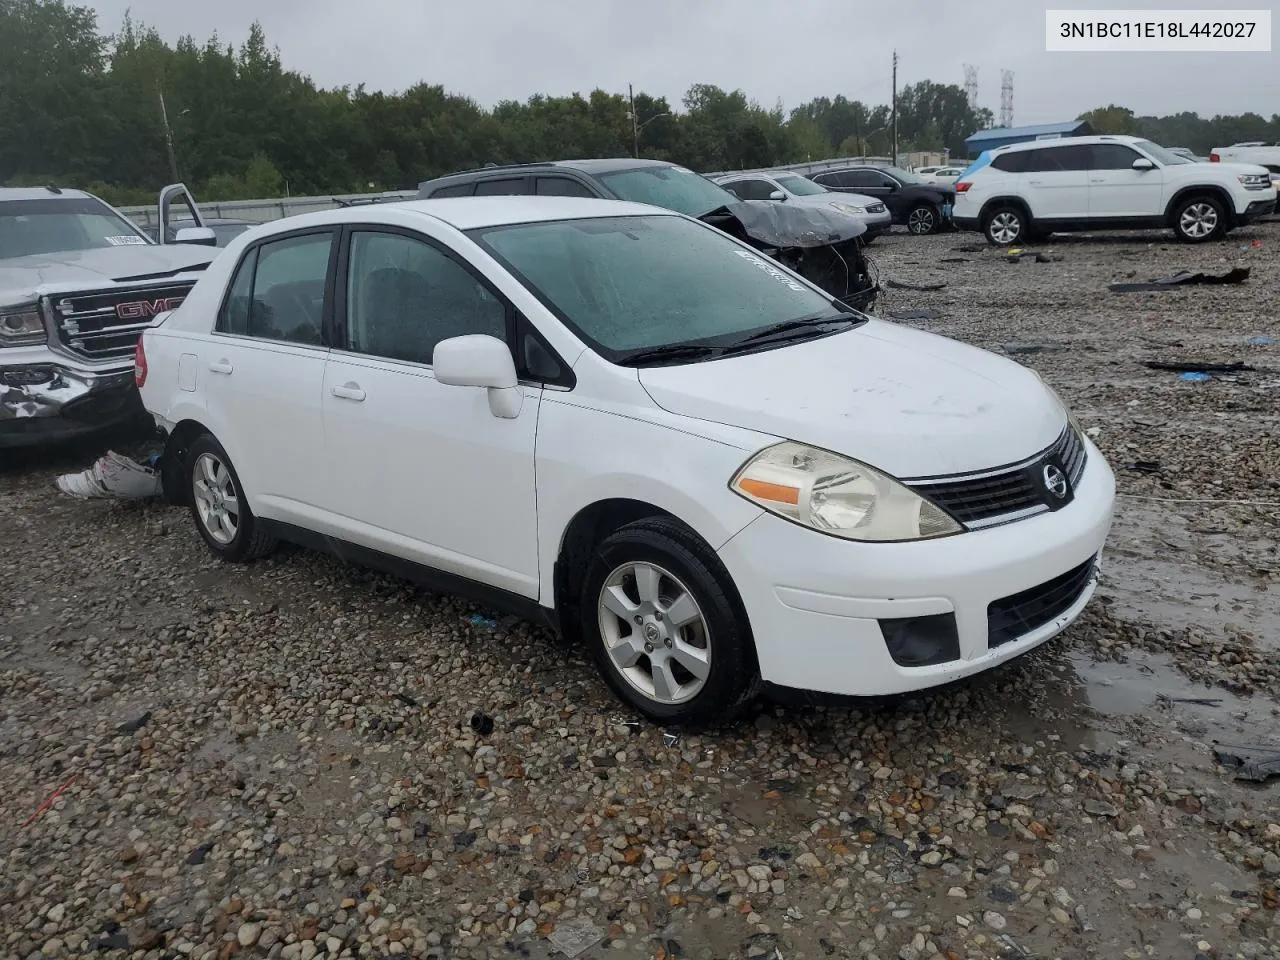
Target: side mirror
(777, 195)
(198, 235)
(478, 360)
(1142, 163)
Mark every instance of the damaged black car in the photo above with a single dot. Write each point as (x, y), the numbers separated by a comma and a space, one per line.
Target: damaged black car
(822, 246)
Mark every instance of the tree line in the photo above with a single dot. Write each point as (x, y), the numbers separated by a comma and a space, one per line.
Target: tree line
(120, 113)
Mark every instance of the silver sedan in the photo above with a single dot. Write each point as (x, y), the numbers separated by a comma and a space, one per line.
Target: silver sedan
(787, 187)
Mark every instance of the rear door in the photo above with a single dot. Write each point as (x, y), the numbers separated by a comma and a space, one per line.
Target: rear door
(1055, 182)
(263, 370)
(1118, 190)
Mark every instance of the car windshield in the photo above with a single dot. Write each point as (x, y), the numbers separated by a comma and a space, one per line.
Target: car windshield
(672, 187)
(1160, 153)
(903, 176)
(801, 187)
(62, 225)
(631, 284)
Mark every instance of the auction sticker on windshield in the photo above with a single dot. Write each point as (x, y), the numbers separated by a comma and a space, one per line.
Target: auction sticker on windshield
(771, 271)
(125, 241)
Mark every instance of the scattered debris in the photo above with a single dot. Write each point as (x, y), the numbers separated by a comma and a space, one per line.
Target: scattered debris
(1194, 701)
(1144, 466)
(49, 801)
(928, 313)
(1184, 278)
(921, 288)
(197, 856)
(1025, 348)
(970, 248)
(1196, 377)
(114, 477)
(1017, 256)
(482, 723)
(407, 700)
(955, 260)
(1197, 367)
(575, 936)
(479, 620)
(134, 725)
(1259, 341)
(670, 739)
(1258, 764)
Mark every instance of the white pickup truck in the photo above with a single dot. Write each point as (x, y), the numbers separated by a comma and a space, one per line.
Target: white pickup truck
(79, 282)
(1255, 151)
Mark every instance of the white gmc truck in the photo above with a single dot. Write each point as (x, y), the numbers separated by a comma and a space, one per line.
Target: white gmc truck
(78, 284)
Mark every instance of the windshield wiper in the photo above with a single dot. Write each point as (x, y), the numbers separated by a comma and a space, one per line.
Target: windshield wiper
(789, 329)
(673, 352)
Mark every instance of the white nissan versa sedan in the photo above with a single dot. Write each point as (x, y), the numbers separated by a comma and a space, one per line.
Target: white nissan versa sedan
(622, 420)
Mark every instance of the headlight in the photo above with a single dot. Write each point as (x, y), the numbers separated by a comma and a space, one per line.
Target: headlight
(833, 494)
(20, 324)
(1255, 179)
(849, 208)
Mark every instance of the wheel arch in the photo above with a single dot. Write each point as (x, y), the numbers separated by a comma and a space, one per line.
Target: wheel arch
(173, 466)
(1004, 201)
(1211, 190)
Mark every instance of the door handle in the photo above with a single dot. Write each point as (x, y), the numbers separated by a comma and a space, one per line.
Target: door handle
(349, 391)
(221, 366)
(1097, 180)
(1035, 183)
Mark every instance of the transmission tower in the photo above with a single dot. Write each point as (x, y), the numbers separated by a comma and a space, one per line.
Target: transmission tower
(971, 85)
(1006, 98)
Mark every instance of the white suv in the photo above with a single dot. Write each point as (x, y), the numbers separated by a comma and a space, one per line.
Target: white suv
(1029, 190)
(621, 420)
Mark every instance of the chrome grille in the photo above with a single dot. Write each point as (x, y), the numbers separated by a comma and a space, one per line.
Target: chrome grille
(1011, 493)
(105, 325)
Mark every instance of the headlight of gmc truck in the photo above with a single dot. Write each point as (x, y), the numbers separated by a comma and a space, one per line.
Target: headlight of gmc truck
(20, 325)
(839, 496)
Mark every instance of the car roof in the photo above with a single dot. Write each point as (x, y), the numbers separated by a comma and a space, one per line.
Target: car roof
(470, 213)
(43, 193)
(772, 174)
(587, 166)
(1066, 142)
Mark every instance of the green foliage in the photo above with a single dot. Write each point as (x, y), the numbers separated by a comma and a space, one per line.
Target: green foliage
(1114, 120)
(81, 108)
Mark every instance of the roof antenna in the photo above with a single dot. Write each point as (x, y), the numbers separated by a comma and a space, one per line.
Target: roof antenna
(52, 189)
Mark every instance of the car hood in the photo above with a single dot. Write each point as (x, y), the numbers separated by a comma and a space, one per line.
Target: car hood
(22, 279)
(909, 403)
(786, 225)
(1239, 167)
(825, 200)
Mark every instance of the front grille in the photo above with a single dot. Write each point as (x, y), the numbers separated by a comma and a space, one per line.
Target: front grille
(1000, 496)
(1020, 614)
(105, 325)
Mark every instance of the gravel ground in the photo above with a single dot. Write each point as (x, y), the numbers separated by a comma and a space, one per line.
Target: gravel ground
(281, 760)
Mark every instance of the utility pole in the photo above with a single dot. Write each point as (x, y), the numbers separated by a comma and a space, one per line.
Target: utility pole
(895, 108)
(168, 139)
(635, 125)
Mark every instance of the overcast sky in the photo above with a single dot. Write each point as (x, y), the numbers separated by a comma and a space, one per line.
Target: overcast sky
(795, 50)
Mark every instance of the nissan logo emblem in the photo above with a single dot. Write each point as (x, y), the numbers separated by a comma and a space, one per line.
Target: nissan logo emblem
(1055, 481)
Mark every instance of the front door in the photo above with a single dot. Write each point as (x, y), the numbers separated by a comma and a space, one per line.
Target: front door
(416, 468)
(1118, 190)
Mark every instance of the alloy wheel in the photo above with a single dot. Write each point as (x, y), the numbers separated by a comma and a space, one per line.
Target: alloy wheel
(216, 499)
(1005, 228)
(654, 632)
(921, 221)
(1198, 220)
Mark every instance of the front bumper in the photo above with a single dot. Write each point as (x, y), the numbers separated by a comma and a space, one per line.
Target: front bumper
(1258, 208)
(819, 607)
(47, 401)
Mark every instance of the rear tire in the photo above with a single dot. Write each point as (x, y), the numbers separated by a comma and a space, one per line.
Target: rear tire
(1199, 218)
(218, 505)
(923, 220)
(1005, 225)
(662, 620)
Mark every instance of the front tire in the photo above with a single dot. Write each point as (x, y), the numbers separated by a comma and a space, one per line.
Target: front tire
(218, 505)
(1198, 219)
(922, 220)
(1005, 226)
(663, 624)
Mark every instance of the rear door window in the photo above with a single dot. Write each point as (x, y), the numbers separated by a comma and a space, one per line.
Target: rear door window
(505, 187)
(279, 291)
(562, 187)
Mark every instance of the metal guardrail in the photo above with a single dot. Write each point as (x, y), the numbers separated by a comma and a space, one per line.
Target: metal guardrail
(262, 211)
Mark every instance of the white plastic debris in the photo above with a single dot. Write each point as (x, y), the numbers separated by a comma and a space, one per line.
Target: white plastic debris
(575, 936)
(112, 477)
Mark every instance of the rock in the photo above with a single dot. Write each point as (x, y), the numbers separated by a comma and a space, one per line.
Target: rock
(56, 913)
(995, 921)
(759, 871)
(1100, 808)
(248, 934)
(957, 893)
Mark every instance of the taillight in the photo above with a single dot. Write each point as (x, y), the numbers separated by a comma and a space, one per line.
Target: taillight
(139, 365)
(1214, 158)
(963, 187)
